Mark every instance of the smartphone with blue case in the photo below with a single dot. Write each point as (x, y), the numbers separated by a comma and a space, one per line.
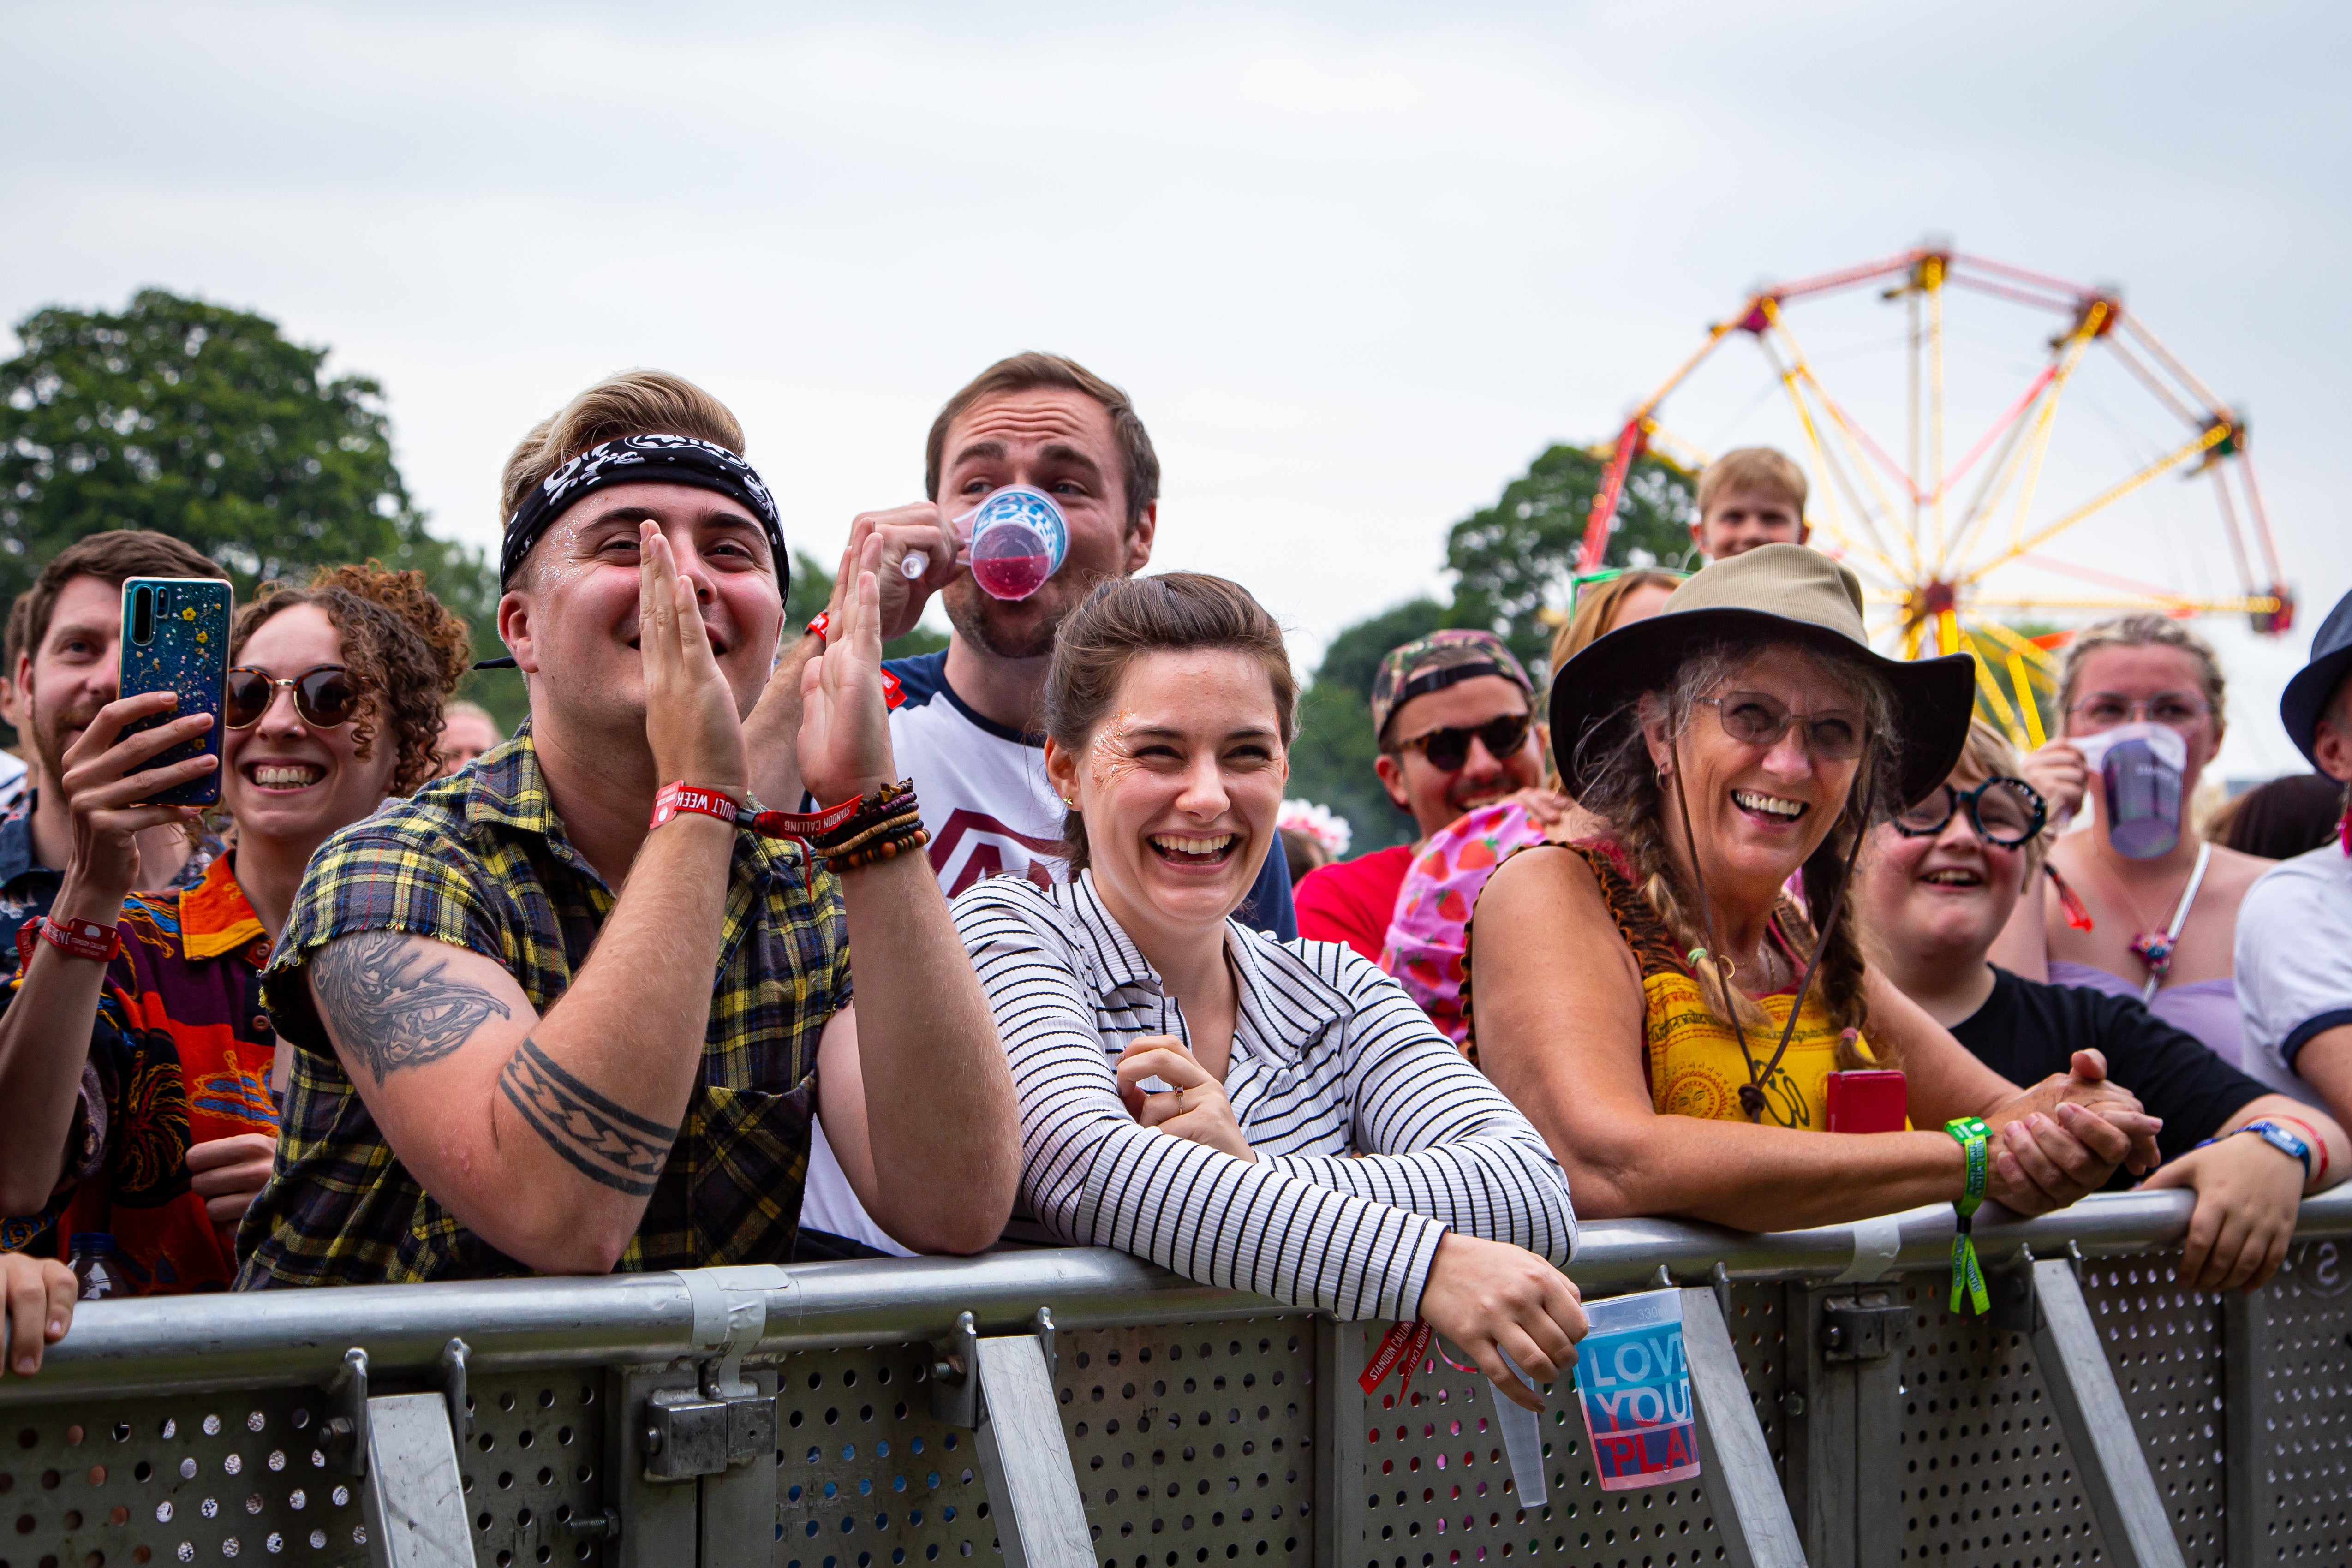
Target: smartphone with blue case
(175, 639)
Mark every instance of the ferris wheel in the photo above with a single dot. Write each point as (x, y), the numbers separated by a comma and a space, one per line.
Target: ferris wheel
(1986, 548)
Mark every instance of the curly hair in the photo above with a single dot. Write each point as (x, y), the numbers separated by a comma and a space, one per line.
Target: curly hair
(407, 651)
(1625, 792)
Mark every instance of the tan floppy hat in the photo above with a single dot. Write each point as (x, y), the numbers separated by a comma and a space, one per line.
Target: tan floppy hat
(1773, 594)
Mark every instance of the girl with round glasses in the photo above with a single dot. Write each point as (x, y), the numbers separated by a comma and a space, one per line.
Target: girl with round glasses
(333, 702)
(1935, 887)
(1662, 1010)
(2158, 929)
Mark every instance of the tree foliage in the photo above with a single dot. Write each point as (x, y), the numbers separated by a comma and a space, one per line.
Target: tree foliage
(1512, 559)
(1331, 762)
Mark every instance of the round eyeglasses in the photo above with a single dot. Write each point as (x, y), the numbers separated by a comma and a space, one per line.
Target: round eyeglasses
(2005, 812)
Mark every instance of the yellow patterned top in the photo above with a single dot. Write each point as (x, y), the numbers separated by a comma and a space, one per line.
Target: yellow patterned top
(1692, 1058)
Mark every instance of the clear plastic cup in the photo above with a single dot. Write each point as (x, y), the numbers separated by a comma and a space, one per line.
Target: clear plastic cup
(1633, 1382)
(2139, 768)
(1019, 539)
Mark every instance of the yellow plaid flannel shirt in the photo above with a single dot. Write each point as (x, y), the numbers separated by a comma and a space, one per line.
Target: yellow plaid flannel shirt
(480, 861)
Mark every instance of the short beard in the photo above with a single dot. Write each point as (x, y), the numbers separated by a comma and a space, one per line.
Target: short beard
(971, 610)
(47, 733)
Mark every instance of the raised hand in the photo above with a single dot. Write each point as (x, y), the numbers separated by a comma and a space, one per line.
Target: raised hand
(1490, 1296)
(845, 723)
(690, 719)
(1193, 1107)
(2056, 769)
(920, 527)
(104, 775)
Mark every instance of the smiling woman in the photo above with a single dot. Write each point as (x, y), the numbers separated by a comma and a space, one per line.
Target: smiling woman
(1198, 1093)
(333, 703)
(1743, 735)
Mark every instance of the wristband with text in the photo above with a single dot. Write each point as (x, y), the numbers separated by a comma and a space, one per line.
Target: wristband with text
(1406, 1345)
(1968, 1274)
(821, 625)
(81, 938)
(2279, 1138)
(672, 799)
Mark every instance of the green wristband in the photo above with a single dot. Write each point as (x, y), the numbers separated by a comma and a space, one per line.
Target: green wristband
(1968, 1274)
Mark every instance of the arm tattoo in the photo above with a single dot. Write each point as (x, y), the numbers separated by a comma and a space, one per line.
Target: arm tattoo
(605, 1143)
(391, 1005)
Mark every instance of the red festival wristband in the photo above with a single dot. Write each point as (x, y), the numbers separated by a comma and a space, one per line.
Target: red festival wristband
(2317, 1141)
(672, 798)
(821, 625)
(81, 938)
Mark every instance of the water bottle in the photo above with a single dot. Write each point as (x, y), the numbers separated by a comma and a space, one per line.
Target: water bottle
(95, 1262)
(1019, 538)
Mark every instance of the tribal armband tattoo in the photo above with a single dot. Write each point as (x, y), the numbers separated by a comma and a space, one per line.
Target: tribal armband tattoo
(608, 1143)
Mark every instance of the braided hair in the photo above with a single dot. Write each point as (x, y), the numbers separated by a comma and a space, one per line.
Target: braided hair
(1625, 791)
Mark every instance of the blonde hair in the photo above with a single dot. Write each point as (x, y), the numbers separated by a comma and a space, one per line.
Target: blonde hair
(1596, 612)
(1988, 754)
(633, 403)
(2140, 632)
(1758, 470)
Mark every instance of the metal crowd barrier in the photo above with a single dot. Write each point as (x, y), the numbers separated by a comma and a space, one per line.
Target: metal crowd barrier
(1069, 1407)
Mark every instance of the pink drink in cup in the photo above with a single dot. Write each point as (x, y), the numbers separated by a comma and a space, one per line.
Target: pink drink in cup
(1019, 538)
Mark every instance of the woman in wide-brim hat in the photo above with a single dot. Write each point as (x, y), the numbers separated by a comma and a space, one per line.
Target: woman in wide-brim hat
(1653, 998)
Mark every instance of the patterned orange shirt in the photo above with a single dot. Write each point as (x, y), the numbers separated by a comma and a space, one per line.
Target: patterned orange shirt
(181, 1049)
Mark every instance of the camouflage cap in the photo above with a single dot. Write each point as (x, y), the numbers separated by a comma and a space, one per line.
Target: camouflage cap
(1432, 664)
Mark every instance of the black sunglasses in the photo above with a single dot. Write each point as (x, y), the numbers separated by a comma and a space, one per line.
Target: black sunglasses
(1448, 749)
(325, 695)
(2006, 812)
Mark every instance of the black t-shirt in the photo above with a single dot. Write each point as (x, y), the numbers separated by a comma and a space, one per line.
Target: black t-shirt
(2026, 1030)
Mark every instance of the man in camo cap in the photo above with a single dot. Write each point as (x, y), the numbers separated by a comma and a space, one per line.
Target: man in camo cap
(1453, 712)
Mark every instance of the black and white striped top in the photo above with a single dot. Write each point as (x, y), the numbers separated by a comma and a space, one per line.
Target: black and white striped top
(1330, 1058)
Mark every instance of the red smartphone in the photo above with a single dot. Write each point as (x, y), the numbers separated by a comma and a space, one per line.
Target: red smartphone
(1867, 1100)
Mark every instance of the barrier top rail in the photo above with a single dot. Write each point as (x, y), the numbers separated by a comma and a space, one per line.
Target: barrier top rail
(269, 1339)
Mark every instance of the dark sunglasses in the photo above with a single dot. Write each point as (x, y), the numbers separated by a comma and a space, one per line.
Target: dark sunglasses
(325, 695)
(1754, 718)
(2006, 812)
(1448, 749)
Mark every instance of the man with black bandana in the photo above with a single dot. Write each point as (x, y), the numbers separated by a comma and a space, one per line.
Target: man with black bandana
(506, 1059)
(968, 726)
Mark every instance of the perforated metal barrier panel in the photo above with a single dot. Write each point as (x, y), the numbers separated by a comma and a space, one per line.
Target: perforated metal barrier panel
(2302, 1416)
(1438, 1485)
(175, 1481)
(1204, 1442)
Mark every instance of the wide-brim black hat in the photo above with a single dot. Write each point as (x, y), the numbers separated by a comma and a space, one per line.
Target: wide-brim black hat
(1775, 594)
(2305, 701)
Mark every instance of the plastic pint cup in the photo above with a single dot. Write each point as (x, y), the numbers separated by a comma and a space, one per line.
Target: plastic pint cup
(1019, 539)
(1634, 1382)
(2139, 772)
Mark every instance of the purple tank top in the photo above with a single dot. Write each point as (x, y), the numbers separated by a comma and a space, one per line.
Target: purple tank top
(2206, 1009)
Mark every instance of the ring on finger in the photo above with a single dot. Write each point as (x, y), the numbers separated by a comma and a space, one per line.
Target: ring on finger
(1180, 1101)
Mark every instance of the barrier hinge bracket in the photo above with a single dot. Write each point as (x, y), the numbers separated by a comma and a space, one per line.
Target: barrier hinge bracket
(1867, 1327)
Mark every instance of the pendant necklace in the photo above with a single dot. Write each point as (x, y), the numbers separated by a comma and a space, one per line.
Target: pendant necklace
(2154, 945)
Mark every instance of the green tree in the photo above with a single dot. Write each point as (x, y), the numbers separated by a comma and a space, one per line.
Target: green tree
(1332, 759)
(1512, 562)
(1512, 559)
(206, 424)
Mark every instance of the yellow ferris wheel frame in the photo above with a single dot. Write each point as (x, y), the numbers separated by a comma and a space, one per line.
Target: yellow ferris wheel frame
(1924, 548)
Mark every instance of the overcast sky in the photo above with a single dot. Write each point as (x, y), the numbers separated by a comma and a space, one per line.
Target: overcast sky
(1357, 264)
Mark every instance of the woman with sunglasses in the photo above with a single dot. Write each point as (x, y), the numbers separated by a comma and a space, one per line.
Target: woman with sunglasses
(2161, 926)
(1662, 1010)
(1933, 889)
(1450, 867)
(333, 703)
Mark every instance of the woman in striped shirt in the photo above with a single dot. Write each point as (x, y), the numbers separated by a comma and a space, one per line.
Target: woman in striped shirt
(1274, 1117)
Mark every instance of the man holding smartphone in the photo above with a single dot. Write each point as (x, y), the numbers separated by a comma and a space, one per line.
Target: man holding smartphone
(505, 1058)
(66, 669)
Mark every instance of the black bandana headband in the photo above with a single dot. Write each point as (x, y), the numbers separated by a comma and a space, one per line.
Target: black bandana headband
(639, 459)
